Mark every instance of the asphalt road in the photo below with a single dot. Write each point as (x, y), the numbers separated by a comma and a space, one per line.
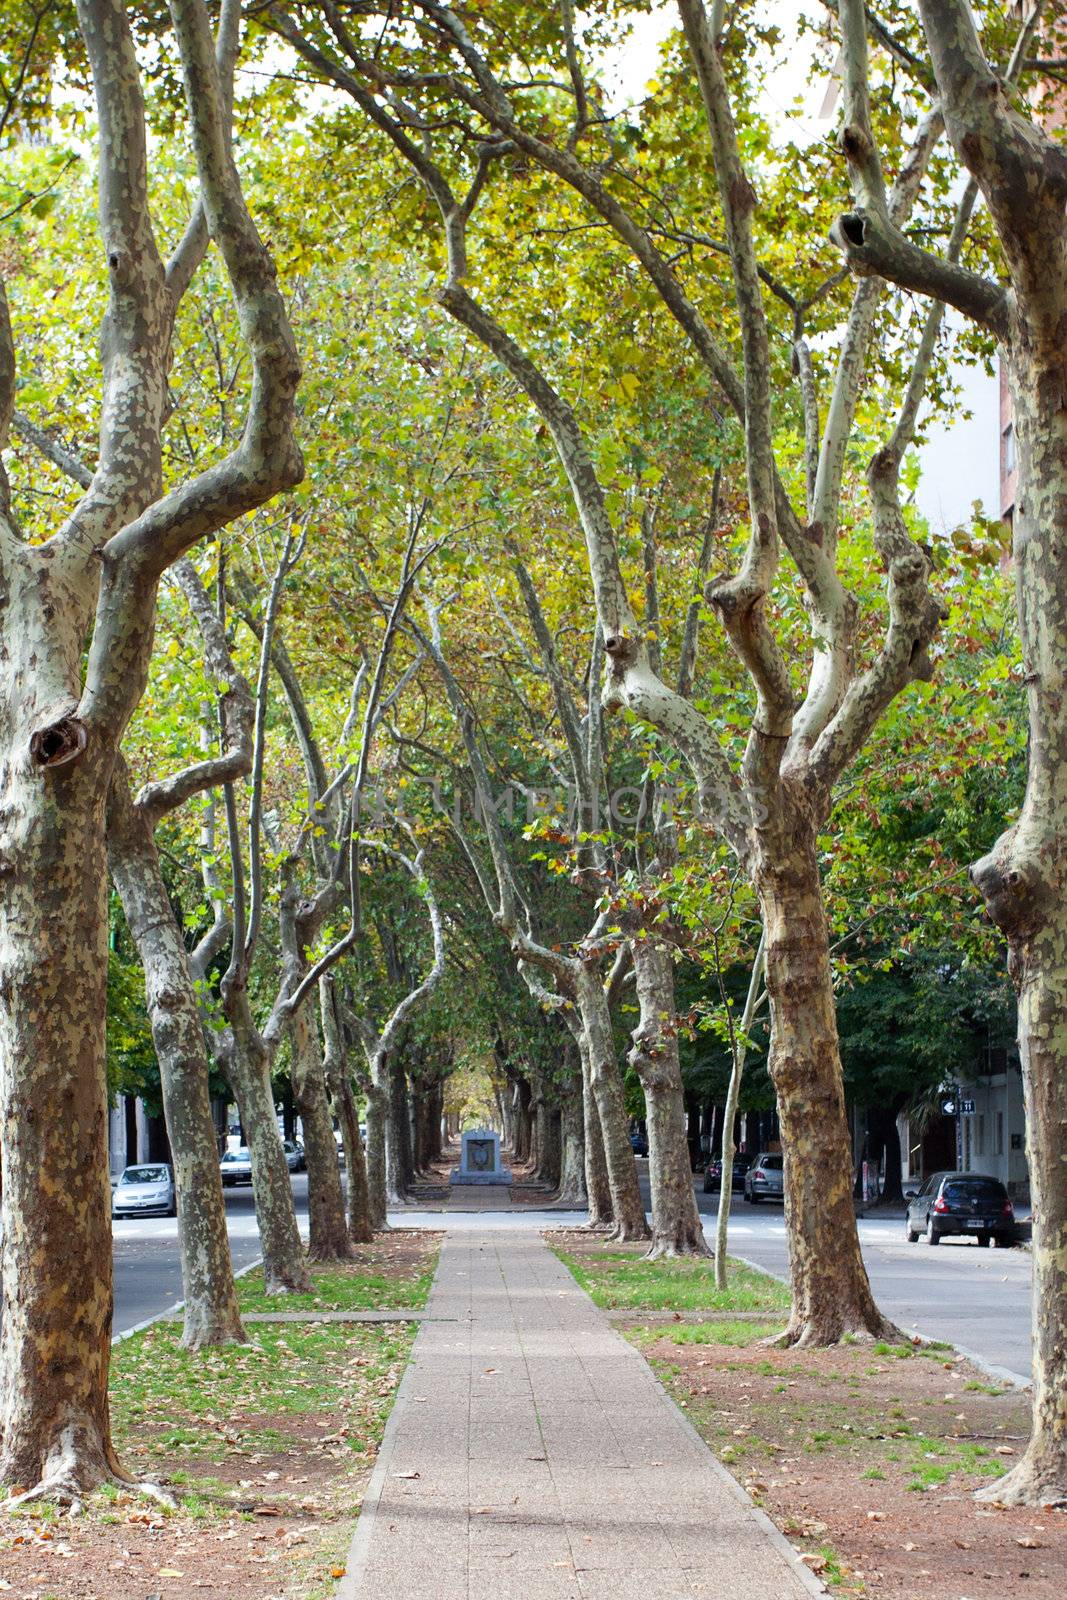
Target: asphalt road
(148, 1276)
(978, 1299)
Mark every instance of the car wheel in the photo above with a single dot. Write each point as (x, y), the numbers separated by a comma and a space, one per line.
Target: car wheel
(931, 1235)
(1003, 1241)
(753, 1199)
(985, 1240)
(913, 1237)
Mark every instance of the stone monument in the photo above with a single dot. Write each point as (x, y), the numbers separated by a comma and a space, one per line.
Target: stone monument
(479, 1160)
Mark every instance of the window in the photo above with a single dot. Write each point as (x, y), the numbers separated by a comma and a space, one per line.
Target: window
(979, 1143)
(998, 1149)
(1009, 449)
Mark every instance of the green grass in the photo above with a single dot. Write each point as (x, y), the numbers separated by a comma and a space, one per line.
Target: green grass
(735, 1334)
(207, 1405)
(345, 1288)
(617, 1280)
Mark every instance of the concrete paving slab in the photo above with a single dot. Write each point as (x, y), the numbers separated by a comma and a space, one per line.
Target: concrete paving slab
(551, 1463)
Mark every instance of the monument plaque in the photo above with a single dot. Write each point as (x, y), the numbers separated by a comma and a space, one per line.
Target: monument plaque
(479, 1160)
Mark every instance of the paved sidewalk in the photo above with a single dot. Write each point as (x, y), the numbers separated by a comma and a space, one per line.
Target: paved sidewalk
(531, 1455)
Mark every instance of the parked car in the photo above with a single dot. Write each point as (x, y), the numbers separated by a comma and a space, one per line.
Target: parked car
(338, 1140)
(142, 1191)
(765, 1179)
(638, 1143)
(962, 1203)
(713, 1173)
(295, 1159)
(236, 1166)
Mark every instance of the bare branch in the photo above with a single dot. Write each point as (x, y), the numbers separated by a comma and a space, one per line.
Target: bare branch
(53, 450)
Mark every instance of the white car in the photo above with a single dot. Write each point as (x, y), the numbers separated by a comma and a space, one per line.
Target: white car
(145, 1190)
(236, 1166)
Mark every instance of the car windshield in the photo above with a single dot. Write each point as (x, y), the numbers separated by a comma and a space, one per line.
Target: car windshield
(771, 1163)
(144, 1175)
(961, 1191)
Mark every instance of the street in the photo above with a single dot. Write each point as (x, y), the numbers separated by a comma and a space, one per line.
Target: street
(148, 1276)
(978, 1299)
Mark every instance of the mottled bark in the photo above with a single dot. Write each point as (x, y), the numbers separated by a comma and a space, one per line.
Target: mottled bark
(55, 1213)
(376, 1155)
(396, 1132)
(549, 1151)
(572, 1189)
(676, 1225)
(248, 1068)
(1024, 879)
(211, 1313)
(606, 1083)
(831, 1294)
(328, 1238)
(339, 1084)
(598, 1190)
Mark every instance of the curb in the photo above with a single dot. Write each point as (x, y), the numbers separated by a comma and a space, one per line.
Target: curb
(169, 1312)
(359, 1550)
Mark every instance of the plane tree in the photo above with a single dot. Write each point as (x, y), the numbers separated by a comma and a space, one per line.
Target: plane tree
(80, 607)
(446, 92)
(1020, 169)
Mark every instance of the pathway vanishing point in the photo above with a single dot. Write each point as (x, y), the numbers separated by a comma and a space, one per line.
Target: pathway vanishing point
(532, 1455)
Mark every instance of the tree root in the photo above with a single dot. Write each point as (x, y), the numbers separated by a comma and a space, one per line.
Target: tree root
(669, 1248)
(1036, 1480)
(69, 1479)
(811, 1335)
(333, 1252)
(629, 1233)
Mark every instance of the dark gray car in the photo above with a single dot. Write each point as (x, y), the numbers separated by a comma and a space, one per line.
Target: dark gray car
(964, 1204)
(765, 1179)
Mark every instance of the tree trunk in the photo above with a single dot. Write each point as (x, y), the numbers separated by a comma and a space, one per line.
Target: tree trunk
(55, 1211)
(396, 1133)
(606, 1083)
(360, 1230)
(598, 1190)
(548, 1143)
(523, 1139)
(211, 1313)
(727, 1146)
(884, 1147)
(572, 1188)
(436, 1141)
(339, 1084)
(248, 1069)
(328, 1238)
(377, 1095)
(676, 1225)
(831, 1294)
(1023, 881)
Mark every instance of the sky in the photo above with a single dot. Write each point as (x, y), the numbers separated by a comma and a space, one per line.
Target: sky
(627, 70)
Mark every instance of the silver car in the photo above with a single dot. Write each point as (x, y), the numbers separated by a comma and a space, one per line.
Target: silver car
(765, 1179)
(236, 1166)
(144, 1191)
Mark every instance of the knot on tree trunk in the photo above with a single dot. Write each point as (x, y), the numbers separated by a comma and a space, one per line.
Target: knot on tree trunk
(1016, 892)
(58, 743)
